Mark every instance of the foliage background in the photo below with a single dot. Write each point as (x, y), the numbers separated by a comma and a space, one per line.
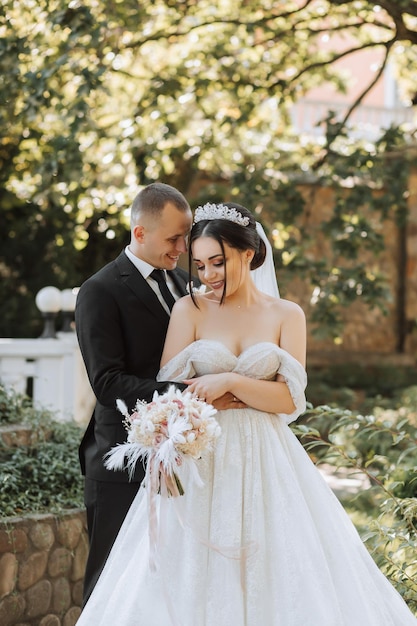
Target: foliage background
(100, 97)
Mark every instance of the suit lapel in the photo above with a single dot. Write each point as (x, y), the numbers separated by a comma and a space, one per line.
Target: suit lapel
(179, 282)
(134, 280)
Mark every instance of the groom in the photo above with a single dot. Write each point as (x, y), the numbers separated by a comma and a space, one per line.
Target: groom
(121, 317)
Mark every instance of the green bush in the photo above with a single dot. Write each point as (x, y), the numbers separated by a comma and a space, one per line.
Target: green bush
(382, 445)
(383, 378)
(45, 476)
(14, 407)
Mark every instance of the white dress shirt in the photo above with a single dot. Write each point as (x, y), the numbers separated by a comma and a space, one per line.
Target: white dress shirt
(145, 269)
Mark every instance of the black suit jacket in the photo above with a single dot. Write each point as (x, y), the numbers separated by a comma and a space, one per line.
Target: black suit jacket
(121, 328)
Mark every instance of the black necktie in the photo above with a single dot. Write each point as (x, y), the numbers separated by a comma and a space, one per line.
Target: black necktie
(159, 276)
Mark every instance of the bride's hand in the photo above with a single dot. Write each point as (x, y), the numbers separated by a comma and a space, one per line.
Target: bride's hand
(210, 387)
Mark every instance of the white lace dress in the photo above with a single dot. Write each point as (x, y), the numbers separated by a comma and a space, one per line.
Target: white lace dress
(263, 543)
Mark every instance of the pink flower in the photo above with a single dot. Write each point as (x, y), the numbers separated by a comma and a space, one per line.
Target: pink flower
(158, 439)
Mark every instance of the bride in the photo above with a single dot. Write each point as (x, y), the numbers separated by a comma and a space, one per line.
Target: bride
(264, 541)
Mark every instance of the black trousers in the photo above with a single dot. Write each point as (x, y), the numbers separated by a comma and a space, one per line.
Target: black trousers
(107, 504)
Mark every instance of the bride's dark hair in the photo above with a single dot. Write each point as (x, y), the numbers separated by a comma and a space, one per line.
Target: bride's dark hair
(234, 235)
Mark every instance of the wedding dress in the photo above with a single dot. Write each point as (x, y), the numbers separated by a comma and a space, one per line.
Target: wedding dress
(264, 542)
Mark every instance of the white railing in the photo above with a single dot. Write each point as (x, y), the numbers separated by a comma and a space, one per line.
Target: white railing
(52, 372)
(366, 122)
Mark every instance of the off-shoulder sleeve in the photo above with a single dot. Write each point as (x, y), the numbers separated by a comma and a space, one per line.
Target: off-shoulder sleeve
(296, 379)
(179, 367)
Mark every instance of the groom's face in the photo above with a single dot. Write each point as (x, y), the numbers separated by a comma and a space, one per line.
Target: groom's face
(162, 240)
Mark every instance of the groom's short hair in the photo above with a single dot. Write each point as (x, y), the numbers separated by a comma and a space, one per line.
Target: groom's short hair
(152, 199)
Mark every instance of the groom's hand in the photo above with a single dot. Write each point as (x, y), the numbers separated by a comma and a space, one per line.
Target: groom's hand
(228, 401)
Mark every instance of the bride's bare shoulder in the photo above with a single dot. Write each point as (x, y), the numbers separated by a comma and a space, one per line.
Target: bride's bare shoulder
(189, 305)
(183, 304)
(288, 308)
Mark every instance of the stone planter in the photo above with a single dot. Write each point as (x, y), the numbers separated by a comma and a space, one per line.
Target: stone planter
(42, 562)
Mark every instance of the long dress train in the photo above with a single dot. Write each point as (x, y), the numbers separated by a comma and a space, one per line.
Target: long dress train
(264, 542)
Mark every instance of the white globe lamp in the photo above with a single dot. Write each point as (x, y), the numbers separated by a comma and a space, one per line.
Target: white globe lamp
(48, 301)
(68, 300)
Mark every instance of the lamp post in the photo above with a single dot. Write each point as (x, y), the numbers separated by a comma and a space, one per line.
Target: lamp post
(48, 301)
(68, 299)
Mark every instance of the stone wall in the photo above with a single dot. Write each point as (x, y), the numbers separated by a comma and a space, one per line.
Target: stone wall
(42, 562)
(366, 331)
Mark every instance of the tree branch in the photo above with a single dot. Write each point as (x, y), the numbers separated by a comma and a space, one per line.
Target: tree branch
(331, 60)
(368, 88)
(341, 125)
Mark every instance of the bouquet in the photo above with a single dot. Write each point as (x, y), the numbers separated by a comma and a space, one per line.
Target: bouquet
(175, 428)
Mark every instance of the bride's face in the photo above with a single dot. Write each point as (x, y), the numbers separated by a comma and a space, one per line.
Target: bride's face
(212, 265)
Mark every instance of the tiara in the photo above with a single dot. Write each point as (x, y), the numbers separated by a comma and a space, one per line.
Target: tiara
(219, 212)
